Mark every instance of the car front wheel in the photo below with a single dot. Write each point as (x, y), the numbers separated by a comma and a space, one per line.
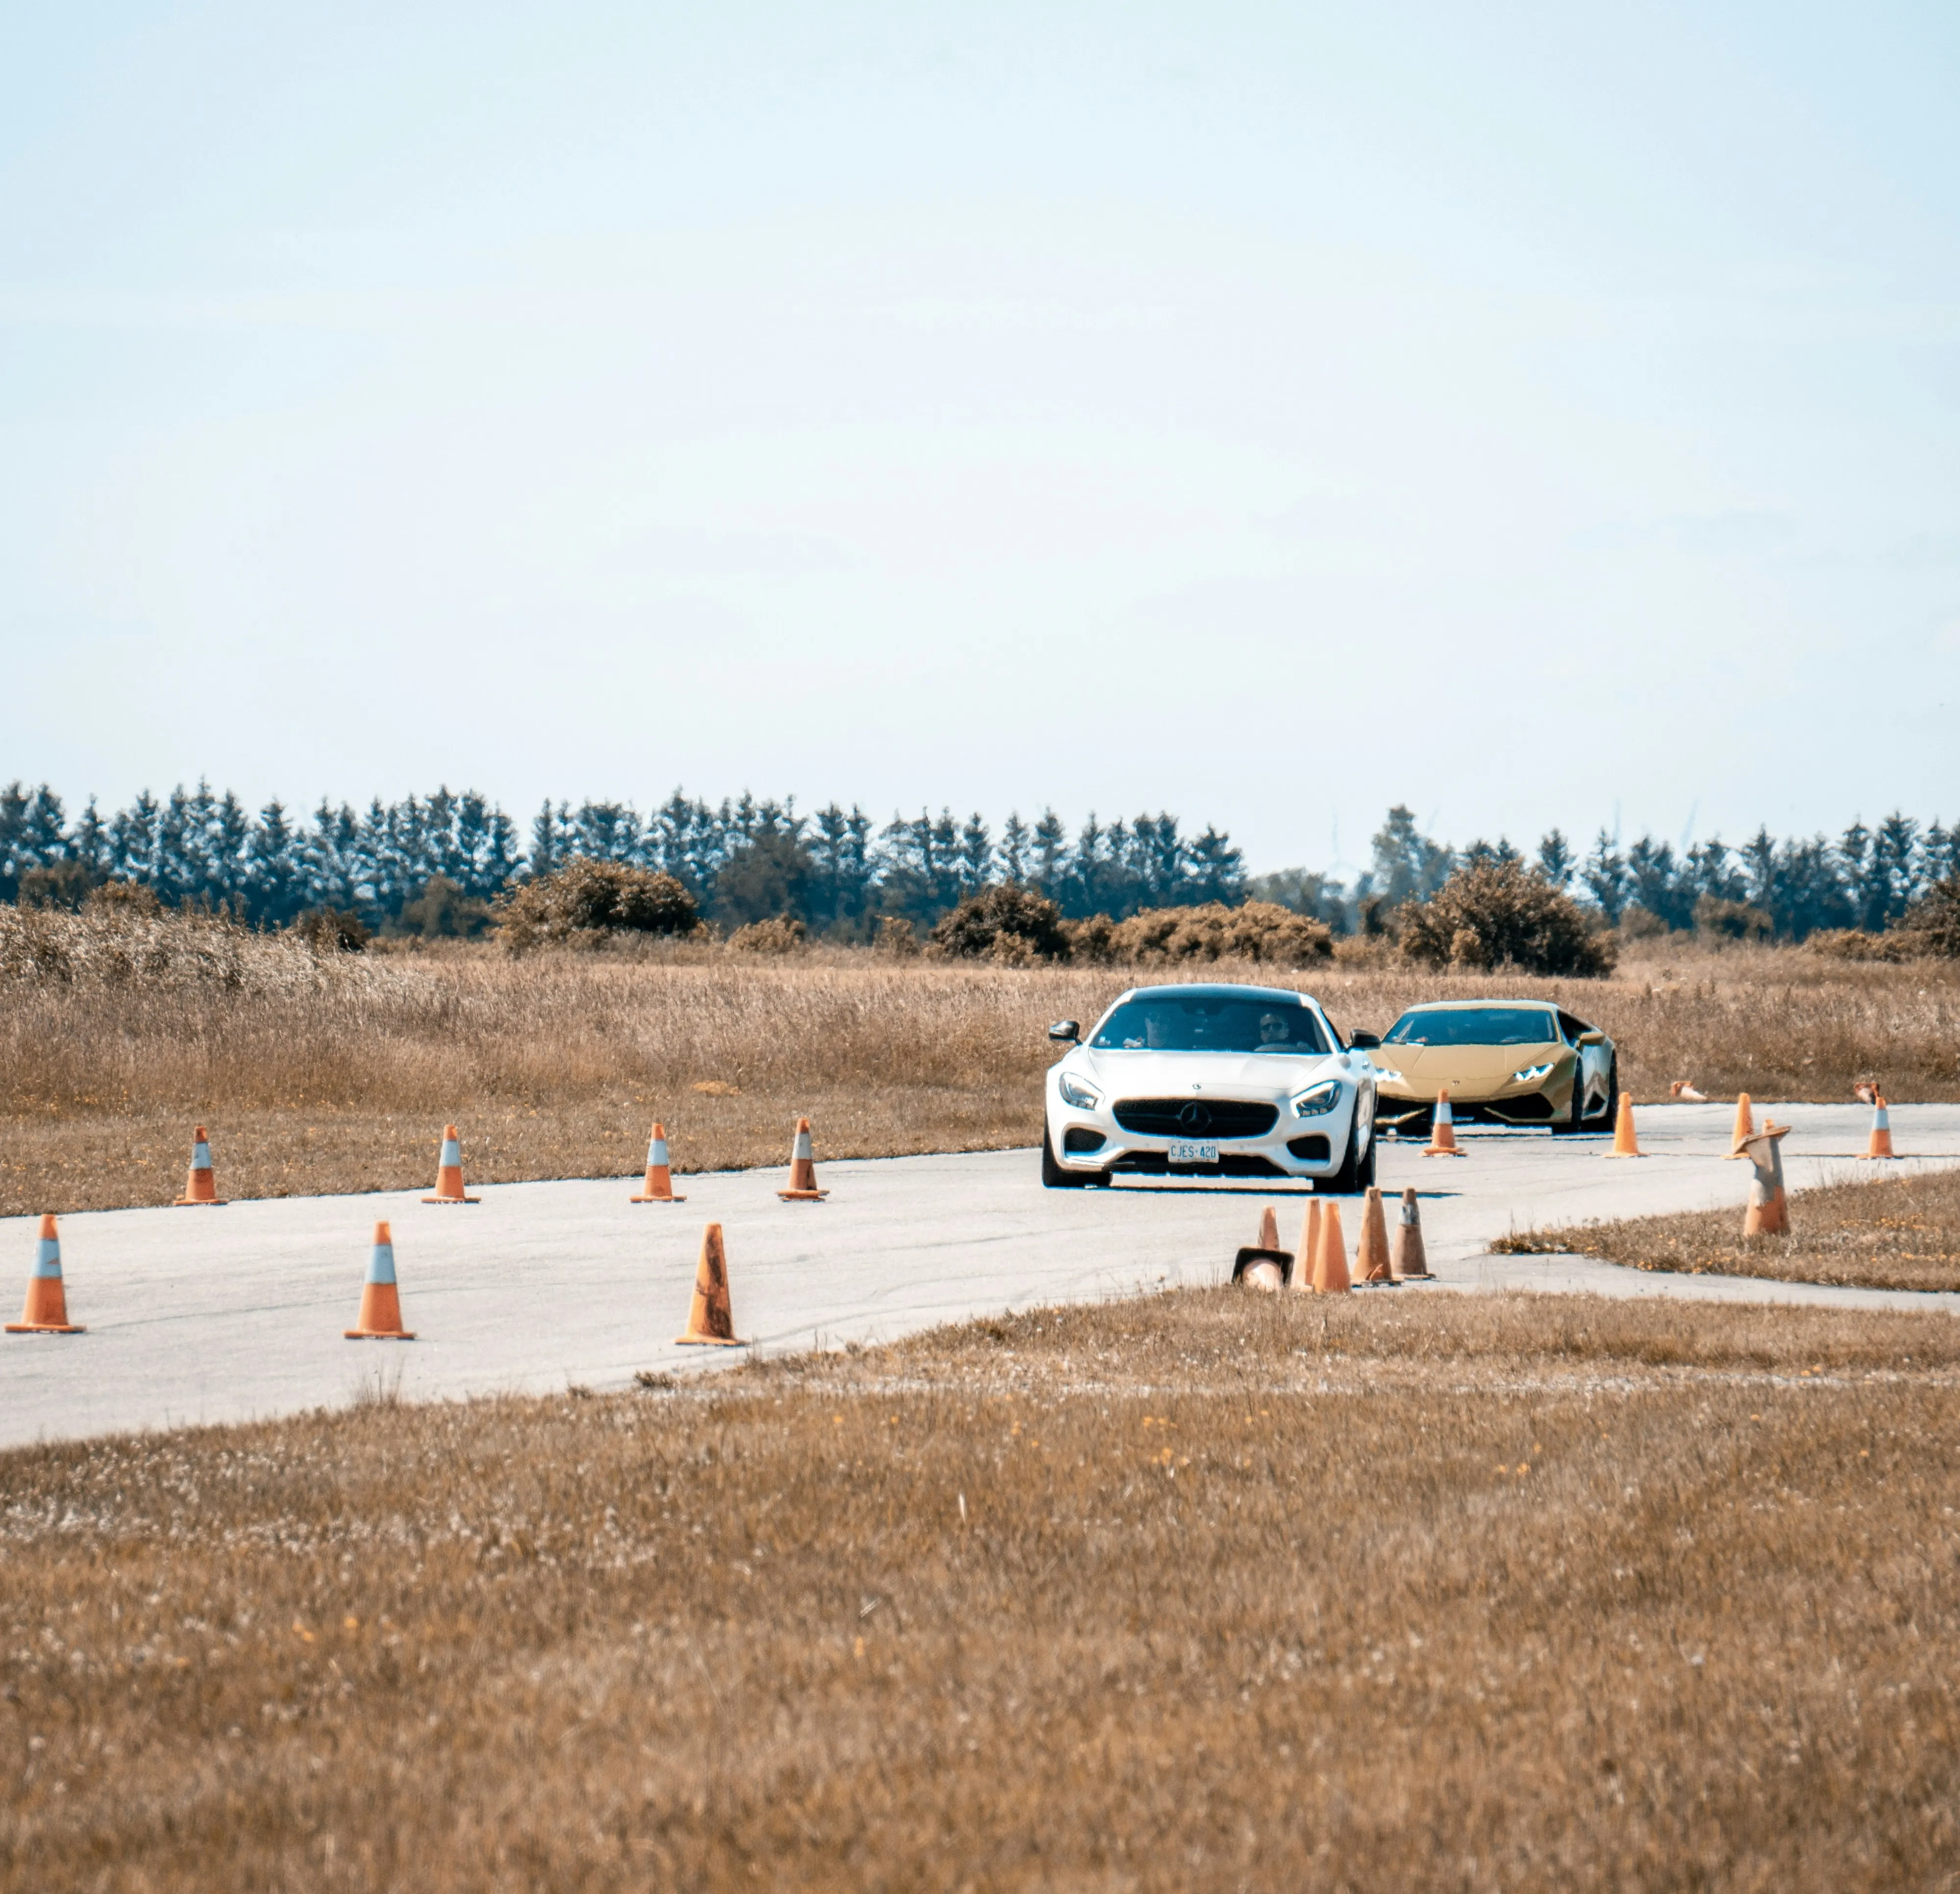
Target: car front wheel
(1053, 1175)
(1348, 1180)
(1575, 1119)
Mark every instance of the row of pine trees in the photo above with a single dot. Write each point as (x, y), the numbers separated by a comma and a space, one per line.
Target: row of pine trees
(837, 870)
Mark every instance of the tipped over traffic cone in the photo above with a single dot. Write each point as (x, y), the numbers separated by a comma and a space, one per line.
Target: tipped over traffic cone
(1309, 1247)
(380, 1317)
(1625, 1144)
(1683, 1092)
(711, 1321)
(1745, 1124)
(200, 1187)
(449, 1172)
(802, 1169)
(1330, 1265)
(1371, 1253)
(1768, 1212)
(1411, 1261)
(1264, 1265)
(1442, 1131)
(1881, 1145)
(46, 1310)
(659, 1187)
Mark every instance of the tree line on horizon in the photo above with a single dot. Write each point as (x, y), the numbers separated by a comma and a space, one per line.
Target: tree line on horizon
(1769, 888)
(838, 870)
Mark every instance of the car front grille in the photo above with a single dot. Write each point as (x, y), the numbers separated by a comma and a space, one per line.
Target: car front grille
(1205, 1118)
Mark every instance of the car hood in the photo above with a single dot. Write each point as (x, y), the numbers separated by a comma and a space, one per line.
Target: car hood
(1437, 1065)
(1171, 1074)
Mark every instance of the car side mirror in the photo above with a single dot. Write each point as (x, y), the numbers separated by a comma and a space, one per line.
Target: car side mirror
(1363, 1042)
(1066, 1032)
(1593, 1037)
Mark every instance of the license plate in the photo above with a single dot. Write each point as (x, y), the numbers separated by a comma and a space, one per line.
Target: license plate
(1194, 1154)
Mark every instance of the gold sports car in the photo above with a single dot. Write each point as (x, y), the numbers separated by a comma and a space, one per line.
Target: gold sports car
(1506, 1062)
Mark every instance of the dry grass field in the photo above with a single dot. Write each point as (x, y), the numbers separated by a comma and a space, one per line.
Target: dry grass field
(337, 1077)
(1876, 1229)
(1207, 1590)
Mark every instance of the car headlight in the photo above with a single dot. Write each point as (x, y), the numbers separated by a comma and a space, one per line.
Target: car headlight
(1317, 1099)
(1075, 1092)
(1532, 1074)
(1382, 1073)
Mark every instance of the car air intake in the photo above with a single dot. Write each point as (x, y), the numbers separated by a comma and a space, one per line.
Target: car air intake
(1079, 1137)
(1205, 1118)
(1312, 1149)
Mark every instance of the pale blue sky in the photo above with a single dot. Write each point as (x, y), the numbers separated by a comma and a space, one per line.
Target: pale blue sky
(1262, 412)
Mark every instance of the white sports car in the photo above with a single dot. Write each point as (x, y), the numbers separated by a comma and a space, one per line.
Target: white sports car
(1210, 1081)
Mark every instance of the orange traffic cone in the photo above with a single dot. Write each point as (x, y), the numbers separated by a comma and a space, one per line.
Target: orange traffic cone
(1625, 1144)
(1371, 1254)
(1411, 1259)
(1768, 1212)
(1330, 1267)
(200, 1187)
(1745, 1124)
(380, 1317)
(1264, 1265)
(1683, 1092)
(802, 1169)
(659, 1187)
(711, 1321)
(449, 1172)
(47, 1312)
(1881, 1145)
(1304, 1258)
(1443, 1132)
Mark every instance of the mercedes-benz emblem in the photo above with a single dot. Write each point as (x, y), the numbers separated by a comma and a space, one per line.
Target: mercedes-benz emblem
(1194, 1116)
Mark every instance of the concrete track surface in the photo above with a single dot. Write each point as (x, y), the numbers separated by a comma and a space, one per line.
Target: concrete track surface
(197, 1315)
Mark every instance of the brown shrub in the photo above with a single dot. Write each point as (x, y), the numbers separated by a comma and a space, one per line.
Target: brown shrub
(1932, 924)
(1501, 914)
(778, 935)
(1261, 932)
(1011, 925)
(585, 899)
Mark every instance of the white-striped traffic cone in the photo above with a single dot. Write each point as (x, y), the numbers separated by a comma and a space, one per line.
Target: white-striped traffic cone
(802, 1169)
(200, 1187)
(449, 1171)
(47, 1312)
(380, 1317)
(658, 1188)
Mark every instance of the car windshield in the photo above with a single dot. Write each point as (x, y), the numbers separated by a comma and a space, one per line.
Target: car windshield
(1474, 1026)
(1195, 1024)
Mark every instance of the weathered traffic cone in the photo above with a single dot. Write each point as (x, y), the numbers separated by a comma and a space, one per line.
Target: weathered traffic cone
(802, 1169)
(1310, 1248)
(200, 1187)
(46, 1310)
(1411, 1260)
(1625, 1144)
(1683, 1092)
(1264, 1265)
(659, 1187)
(380, 1317)
(1768, 1212)
(1881, 1145)
(449, 1172)
(1442, 1130)
(711, 1321)
(1745, 1124)
(1330, 1266)
(1371, 1253)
